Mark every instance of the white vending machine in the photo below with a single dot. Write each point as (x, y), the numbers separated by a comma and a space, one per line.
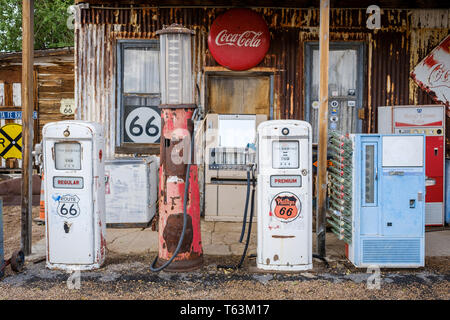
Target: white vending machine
(284, 190)
(75, 195)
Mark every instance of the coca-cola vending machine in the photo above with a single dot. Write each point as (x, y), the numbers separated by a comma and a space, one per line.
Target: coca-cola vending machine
(429, 120)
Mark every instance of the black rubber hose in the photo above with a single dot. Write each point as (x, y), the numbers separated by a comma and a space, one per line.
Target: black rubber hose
(244, 220)
(321, 258)
(186, 190)
(252, 206)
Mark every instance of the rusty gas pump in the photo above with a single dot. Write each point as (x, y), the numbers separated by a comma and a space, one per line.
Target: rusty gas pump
(180, 246)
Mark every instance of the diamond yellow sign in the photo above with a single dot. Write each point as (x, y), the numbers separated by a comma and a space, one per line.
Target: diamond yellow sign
(11, 141)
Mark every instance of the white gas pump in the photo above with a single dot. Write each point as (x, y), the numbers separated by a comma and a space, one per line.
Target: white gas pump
(284, 192)
(75, 195)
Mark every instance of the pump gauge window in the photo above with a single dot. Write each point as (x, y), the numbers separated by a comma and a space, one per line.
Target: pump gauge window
(285, 154)
(67, 156)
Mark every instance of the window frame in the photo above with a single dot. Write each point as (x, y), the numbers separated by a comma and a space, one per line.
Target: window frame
(122, 146)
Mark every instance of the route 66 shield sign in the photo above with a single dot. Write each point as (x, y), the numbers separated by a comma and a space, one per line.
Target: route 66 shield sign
(68, 206)
(286, 206)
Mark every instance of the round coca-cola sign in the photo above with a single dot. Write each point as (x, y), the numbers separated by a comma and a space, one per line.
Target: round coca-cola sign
(239, 39)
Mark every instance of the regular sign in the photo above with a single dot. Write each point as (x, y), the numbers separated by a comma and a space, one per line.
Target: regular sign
(432, 74)
(239, 39)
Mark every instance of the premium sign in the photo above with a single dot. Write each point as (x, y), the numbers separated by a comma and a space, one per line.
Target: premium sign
(432, 74)
(285, 181)
(239, 39)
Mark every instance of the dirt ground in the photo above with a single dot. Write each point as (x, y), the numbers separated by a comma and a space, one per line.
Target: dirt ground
(129, 277)
(11, 228)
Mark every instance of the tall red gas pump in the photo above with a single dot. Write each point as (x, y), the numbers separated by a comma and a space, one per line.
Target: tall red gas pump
(180, 246)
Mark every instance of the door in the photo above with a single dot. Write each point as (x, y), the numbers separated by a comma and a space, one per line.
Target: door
(230, 94)
(345, 87)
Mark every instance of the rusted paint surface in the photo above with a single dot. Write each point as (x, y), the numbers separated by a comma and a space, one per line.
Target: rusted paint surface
(175, 147)
(405, 37)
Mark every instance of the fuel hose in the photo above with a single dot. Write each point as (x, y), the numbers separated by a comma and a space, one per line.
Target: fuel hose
(244, 220)
(252, 208)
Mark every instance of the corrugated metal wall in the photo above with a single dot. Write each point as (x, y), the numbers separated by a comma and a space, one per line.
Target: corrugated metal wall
(392, 51)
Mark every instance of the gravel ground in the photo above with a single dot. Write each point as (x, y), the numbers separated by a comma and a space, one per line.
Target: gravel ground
(129, 277)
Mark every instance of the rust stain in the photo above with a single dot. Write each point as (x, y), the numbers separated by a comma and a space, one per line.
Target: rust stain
(282, 237)
(172, 233)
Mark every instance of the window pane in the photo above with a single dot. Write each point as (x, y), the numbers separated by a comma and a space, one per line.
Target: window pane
(370, 174)
(141, 70)
(2, 94)
(341, 73)
(17, 94)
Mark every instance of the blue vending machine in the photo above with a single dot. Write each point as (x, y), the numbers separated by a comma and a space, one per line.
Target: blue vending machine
(377, 201)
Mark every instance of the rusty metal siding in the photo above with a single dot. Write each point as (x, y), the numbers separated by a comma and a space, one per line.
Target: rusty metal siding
(390, 71)
(391, 52)
(95, 79)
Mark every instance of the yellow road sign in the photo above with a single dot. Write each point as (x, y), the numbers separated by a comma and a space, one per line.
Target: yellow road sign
(11, 141)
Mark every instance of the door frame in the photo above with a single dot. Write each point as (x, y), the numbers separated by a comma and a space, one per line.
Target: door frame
(360, 46)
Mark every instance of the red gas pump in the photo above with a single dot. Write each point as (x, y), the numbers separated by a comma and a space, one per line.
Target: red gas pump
(180, 246)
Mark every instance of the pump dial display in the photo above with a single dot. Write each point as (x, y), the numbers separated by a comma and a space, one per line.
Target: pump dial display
(285, 154)
(67, 156)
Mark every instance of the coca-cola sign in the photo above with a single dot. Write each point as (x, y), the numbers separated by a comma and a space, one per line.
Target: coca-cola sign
(433, 73)
(239, 39)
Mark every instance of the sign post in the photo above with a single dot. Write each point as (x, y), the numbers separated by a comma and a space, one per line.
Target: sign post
(321, 214)
(27, 121)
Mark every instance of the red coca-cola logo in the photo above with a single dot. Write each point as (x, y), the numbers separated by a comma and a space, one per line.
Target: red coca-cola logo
(239, 39)
(439, 76)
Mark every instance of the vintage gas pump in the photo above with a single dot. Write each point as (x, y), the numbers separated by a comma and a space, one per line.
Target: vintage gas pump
(75, 195)
(180, 246)
(284, 195)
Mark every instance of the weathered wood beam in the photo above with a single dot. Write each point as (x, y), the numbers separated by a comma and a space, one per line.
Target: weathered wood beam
(27, 122)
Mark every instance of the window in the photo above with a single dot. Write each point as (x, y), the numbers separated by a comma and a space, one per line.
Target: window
(369, 179)
(139, 96)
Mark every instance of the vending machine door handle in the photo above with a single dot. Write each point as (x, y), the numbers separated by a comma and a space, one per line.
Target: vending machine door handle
(430, 182)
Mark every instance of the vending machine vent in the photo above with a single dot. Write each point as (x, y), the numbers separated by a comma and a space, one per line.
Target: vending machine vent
(387, 251)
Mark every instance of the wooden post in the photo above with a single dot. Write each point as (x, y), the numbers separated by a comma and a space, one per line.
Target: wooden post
(27, 122)
(321, 214)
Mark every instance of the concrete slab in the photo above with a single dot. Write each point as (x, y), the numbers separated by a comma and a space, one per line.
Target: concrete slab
(38, 251)
(131, 240)
(437, 243)
(143, 241)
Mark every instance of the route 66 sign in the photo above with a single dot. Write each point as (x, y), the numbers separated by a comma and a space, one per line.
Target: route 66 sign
(68, 206)
(286, 206)
(67, 107)
(143, 125)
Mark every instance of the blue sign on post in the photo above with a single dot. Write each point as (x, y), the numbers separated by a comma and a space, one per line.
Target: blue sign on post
(14, 115)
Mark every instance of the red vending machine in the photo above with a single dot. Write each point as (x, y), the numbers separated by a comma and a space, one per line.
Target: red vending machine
(429, 120)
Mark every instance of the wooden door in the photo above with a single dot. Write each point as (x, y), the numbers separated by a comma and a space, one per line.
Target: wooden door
(238, 94)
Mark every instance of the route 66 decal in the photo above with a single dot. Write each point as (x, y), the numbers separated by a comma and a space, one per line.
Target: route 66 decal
(68, 206)
(286, 206)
